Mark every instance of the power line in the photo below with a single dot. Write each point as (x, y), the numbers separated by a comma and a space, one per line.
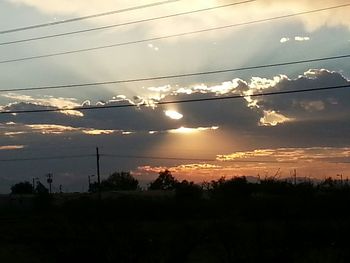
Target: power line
(166, 36)
(62, 157)
(201, 73)
(47, 158)
(84, 108)
(86, 17)
(122, 24)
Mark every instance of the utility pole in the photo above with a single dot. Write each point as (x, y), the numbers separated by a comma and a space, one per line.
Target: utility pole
(49, 181)
(295, 176)
(98, 173)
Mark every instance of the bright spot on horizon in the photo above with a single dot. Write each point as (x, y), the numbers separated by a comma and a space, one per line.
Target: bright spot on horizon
(173, 115)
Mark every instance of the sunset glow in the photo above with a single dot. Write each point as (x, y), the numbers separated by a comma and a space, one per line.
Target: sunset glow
(213, 88)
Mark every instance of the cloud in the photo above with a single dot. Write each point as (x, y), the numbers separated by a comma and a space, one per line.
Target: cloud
(245, 12)
(272, 118)
(241, 114)
(98, 132)
(300, 39)
(12, 130)
(311, 129)
(47, 101)
(315, 162)
(306, 106)
(296, 38)
(317, 105)
(11, 147)
(313, 154)
(284, 39)
(51, 128)
(185, 130)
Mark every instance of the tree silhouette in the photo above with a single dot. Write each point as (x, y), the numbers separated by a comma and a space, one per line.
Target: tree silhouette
(120, 181)
(22, 188)
(41, 189)
(165, 181)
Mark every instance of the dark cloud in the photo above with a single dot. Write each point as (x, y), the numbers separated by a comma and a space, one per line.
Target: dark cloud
(312, 105)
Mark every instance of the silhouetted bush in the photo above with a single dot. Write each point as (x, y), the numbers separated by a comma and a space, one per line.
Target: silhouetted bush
(275, 187)
(22, 188)
(233, 188)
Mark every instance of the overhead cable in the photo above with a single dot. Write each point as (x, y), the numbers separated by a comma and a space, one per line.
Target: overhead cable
(122, 24)
(85, 108)
(191, 74)
(55, 54)
(86, 17)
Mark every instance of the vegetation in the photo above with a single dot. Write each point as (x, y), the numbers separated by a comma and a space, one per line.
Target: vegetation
(165, 181)
(22, 188)
(120, 181)
(117, 181)
(225, 220)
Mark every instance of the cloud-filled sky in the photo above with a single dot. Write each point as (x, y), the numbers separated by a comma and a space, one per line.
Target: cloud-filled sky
(245, 136)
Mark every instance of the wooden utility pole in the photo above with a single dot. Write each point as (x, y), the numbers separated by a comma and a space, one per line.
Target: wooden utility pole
(98, 172)
(49, 181)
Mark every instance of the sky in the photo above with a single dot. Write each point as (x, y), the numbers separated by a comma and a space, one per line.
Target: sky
(199, 141)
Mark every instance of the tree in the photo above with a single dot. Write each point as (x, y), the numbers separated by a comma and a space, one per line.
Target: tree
(120, 181)
(22, 188)
(165, 181)
(41, 189)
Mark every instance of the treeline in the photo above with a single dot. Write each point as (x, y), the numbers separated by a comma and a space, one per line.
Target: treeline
(222, 187)
(223, 221)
